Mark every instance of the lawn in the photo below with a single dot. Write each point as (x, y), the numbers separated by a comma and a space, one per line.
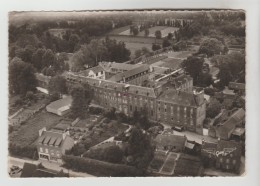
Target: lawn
(29, 132)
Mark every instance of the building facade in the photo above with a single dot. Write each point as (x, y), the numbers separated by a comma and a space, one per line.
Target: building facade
(224, 155)
(52, 145)
(173, 107)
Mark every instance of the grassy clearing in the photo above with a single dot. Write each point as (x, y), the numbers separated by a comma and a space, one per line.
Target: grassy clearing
(119, 30)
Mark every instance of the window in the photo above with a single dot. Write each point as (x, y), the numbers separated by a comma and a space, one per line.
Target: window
(46, 150)
(220, 160)
(41, 149)
(227, 160)
(234, 162)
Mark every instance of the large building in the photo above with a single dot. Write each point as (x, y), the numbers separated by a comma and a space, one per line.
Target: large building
(177, 105)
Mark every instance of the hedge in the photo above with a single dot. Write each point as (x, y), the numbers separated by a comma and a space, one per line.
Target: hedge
(99, 168)
(26, 151)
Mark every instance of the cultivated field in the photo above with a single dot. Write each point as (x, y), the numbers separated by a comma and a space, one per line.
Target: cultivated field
(158, 160)
(28, 132)
(163, 162)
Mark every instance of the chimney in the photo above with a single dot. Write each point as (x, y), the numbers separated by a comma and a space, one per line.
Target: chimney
(42, 130)
(64, 134)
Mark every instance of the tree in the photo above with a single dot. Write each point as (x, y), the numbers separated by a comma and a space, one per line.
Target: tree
(57, 85)
(138, 53)
(231, 67)
(145, 50)
(155, 47)
(135, 31)
(37, 58)
(113, 154)
(213, 108)
(81, 97)
(140, 148)
(146, 32)
(73, 40)
(170, 35)
(205, 80)
(79, 101)
(25, 53)
(166, 43)
(21, 77)
(211, 47)
(158, 34)
(193, 66)
(48, 58)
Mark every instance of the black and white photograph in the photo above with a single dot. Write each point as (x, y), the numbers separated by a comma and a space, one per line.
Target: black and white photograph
(130, 92)
(127, 93)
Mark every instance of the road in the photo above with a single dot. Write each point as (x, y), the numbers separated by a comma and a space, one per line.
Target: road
(49, 165)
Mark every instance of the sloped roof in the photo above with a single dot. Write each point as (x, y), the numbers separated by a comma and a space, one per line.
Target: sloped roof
(137, 70)
(123, 66)
(53, 138)
(61, 103)
(239, 114)
(170, 140)
(179, 97)
(222, 144)
(237, 86)
(231, 123)
(96, 69)
(43, 78)
(28, 169)
(178, 81)
(133, 89)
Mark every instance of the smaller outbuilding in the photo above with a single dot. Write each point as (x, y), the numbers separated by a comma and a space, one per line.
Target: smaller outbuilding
(61, 106)
(170, 142)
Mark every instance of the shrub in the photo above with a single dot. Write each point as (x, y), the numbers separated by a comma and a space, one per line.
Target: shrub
(95, 110)
(99, 168)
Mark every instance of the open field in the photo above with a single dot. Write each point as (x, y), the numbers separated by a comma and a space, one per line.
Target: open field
(119, 30)
(28, 133)
(164, 30)
(136, 46)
